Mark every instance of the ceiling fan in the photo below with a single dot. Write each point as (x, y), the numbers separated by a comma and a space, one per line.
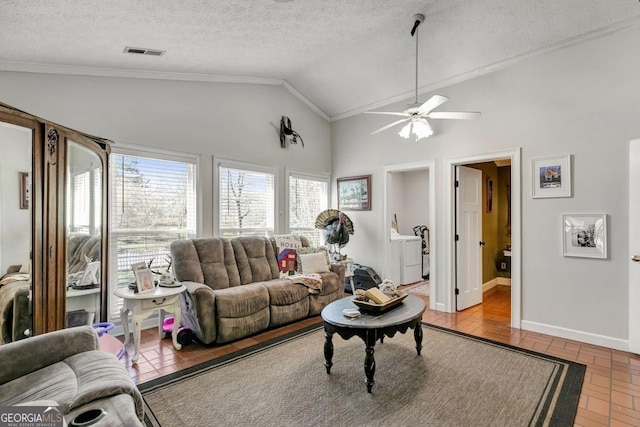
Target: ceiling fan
(416, 115)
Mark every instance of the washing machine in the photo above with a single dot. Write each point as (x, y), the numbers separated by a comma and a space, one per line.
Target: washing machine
(406, 253)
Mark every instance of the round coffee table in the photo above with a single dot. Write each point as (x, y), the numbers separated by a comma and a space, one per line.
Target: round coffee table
(371, 328)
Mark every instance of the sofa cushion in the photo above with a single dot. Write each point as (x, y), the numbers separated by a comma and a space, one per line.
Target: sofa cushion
(233, 328)
(57, 381)
(330, 283)
(255, 258)
(285, 292)
(209, 261)
(218, 263)
(241, 301)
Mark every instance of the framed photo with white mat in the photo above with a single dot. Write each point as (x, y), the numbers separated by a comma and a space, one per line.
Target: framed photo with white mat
(144, 279)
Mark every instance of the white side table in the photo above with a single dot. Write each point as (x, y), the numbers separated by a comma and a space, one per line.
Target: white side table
(142, 305)
(85, 299)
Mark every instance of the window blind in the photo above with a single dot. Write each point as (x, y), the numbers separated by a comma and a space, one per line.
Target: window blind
(153, 203)
(307, 198)
(246, 202)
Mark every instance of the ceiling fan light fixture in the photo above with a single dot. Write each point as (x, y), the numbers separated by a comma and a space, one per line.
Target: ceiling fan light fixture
(418, 128)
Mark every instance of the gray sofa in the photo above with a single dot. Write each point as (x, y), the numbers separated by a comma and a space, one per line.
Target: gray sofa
(66, 369)
(234, 287)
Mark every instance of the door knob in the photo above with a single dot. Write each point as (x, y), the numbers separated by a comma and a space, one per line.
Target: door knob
(635, 258)
(484, 243)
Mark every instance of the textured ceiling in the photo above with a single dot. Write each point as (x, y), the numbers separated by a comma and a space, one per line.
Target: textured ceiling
(343, 56)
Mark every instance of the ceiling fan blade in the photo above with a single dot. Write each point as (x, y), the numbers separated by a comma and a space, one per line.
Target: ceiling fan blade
(460, 115)
(389, 126)
(389, 113)
(433, 102)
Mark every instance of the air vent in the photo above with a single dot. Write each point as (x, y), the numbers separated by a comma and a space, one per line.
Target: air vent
(142, 51)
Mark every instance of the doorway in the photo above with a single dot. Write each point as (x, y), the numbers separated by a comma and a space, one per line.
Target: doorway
(487, 201)
(422, 176)
(452, 268)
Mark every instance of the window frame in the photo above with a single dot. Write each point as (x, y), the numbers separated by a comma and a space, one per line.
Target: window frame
(128, 149)
(219, 162)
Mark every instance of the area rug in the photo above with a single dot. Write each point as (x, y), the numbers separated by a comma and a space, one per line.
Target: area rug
(421, 289)
(458, 381)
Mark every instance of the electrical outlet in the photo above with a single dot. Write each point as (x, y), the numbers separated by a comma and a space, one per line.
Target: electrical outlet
(503, 266)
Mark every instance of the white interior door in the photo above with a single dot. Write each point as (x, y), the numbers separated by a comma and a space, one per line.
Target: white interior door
(634, 246)
(468, 237)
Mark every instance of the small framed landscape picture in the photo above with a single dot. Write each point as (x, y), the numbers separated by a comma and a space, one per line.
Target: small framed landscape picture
(144, 279)
(551, 177)
(584, 235)
(354, 193)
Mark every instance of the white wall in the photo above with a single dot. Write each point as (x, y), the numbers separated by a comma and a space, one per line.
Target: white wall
(15, 223)
(236, 121)
(580, 100)
(416, 201)
(409, 199)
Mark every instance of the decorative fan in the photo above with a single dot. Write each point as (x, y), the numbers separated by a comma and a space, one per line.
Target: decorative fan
(337, 226)
(417, 114)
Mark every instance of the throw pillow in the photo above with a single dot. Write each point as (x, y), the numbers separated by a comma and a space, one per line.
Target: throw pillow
(314, 263)
(286, 247)
(312, 250)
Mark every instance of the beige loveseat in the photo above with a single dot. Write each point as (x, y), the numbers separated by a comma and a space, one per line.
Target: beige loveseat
(234, 287)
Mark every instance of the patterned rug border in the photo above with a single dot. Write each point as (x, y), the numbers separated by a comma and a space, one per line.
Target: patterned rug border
(563, 413)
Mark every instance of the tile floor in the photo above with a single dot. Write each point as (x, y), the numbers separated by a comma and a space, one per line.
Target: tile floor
(610, 392)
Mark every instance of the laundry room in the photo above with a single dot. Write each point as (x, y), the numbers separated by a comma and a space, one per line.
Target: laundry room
(408, 199)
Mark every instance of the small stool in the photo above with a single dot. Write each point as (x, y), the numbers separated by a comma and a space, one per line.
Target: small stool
(109, 342)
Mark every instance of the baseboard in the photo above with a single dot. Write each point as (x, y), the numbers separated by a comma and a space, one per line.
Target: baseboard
(490, 284)
(571, 334)
(504, 281)
(439, 306)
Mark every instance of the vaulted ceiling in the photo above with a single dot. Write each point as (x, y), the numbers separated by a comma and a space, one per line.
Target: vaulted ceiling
(340, 56)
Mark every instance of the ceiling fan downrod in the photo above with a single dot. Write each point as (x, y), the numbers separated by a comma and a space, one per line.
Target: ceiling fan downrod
(418, 19)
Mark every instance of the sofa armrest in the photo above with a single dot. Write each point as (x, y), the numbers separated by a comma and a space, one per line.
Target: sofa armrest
(198, 308)
(339, 270)
(30, 354)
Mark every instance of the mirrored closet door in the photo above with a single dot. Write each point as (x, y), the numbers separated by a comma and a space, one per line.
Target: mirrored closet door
(16, 146)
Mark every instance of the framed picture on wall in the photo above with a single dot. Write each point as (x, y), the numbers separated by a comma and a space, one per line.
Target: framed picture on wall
(354, 193)
(584, 235)
(551, 177)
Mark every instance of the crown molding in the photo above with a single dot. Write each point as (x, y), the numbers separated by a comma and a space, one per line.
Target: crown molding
(496, 66)
(25, 67)
(295, 92)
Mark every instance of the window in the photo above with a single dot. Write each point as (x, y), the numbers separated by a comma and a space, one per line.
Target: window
(246, 199)
(153, 203)
(308, 196)
(84, 194)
